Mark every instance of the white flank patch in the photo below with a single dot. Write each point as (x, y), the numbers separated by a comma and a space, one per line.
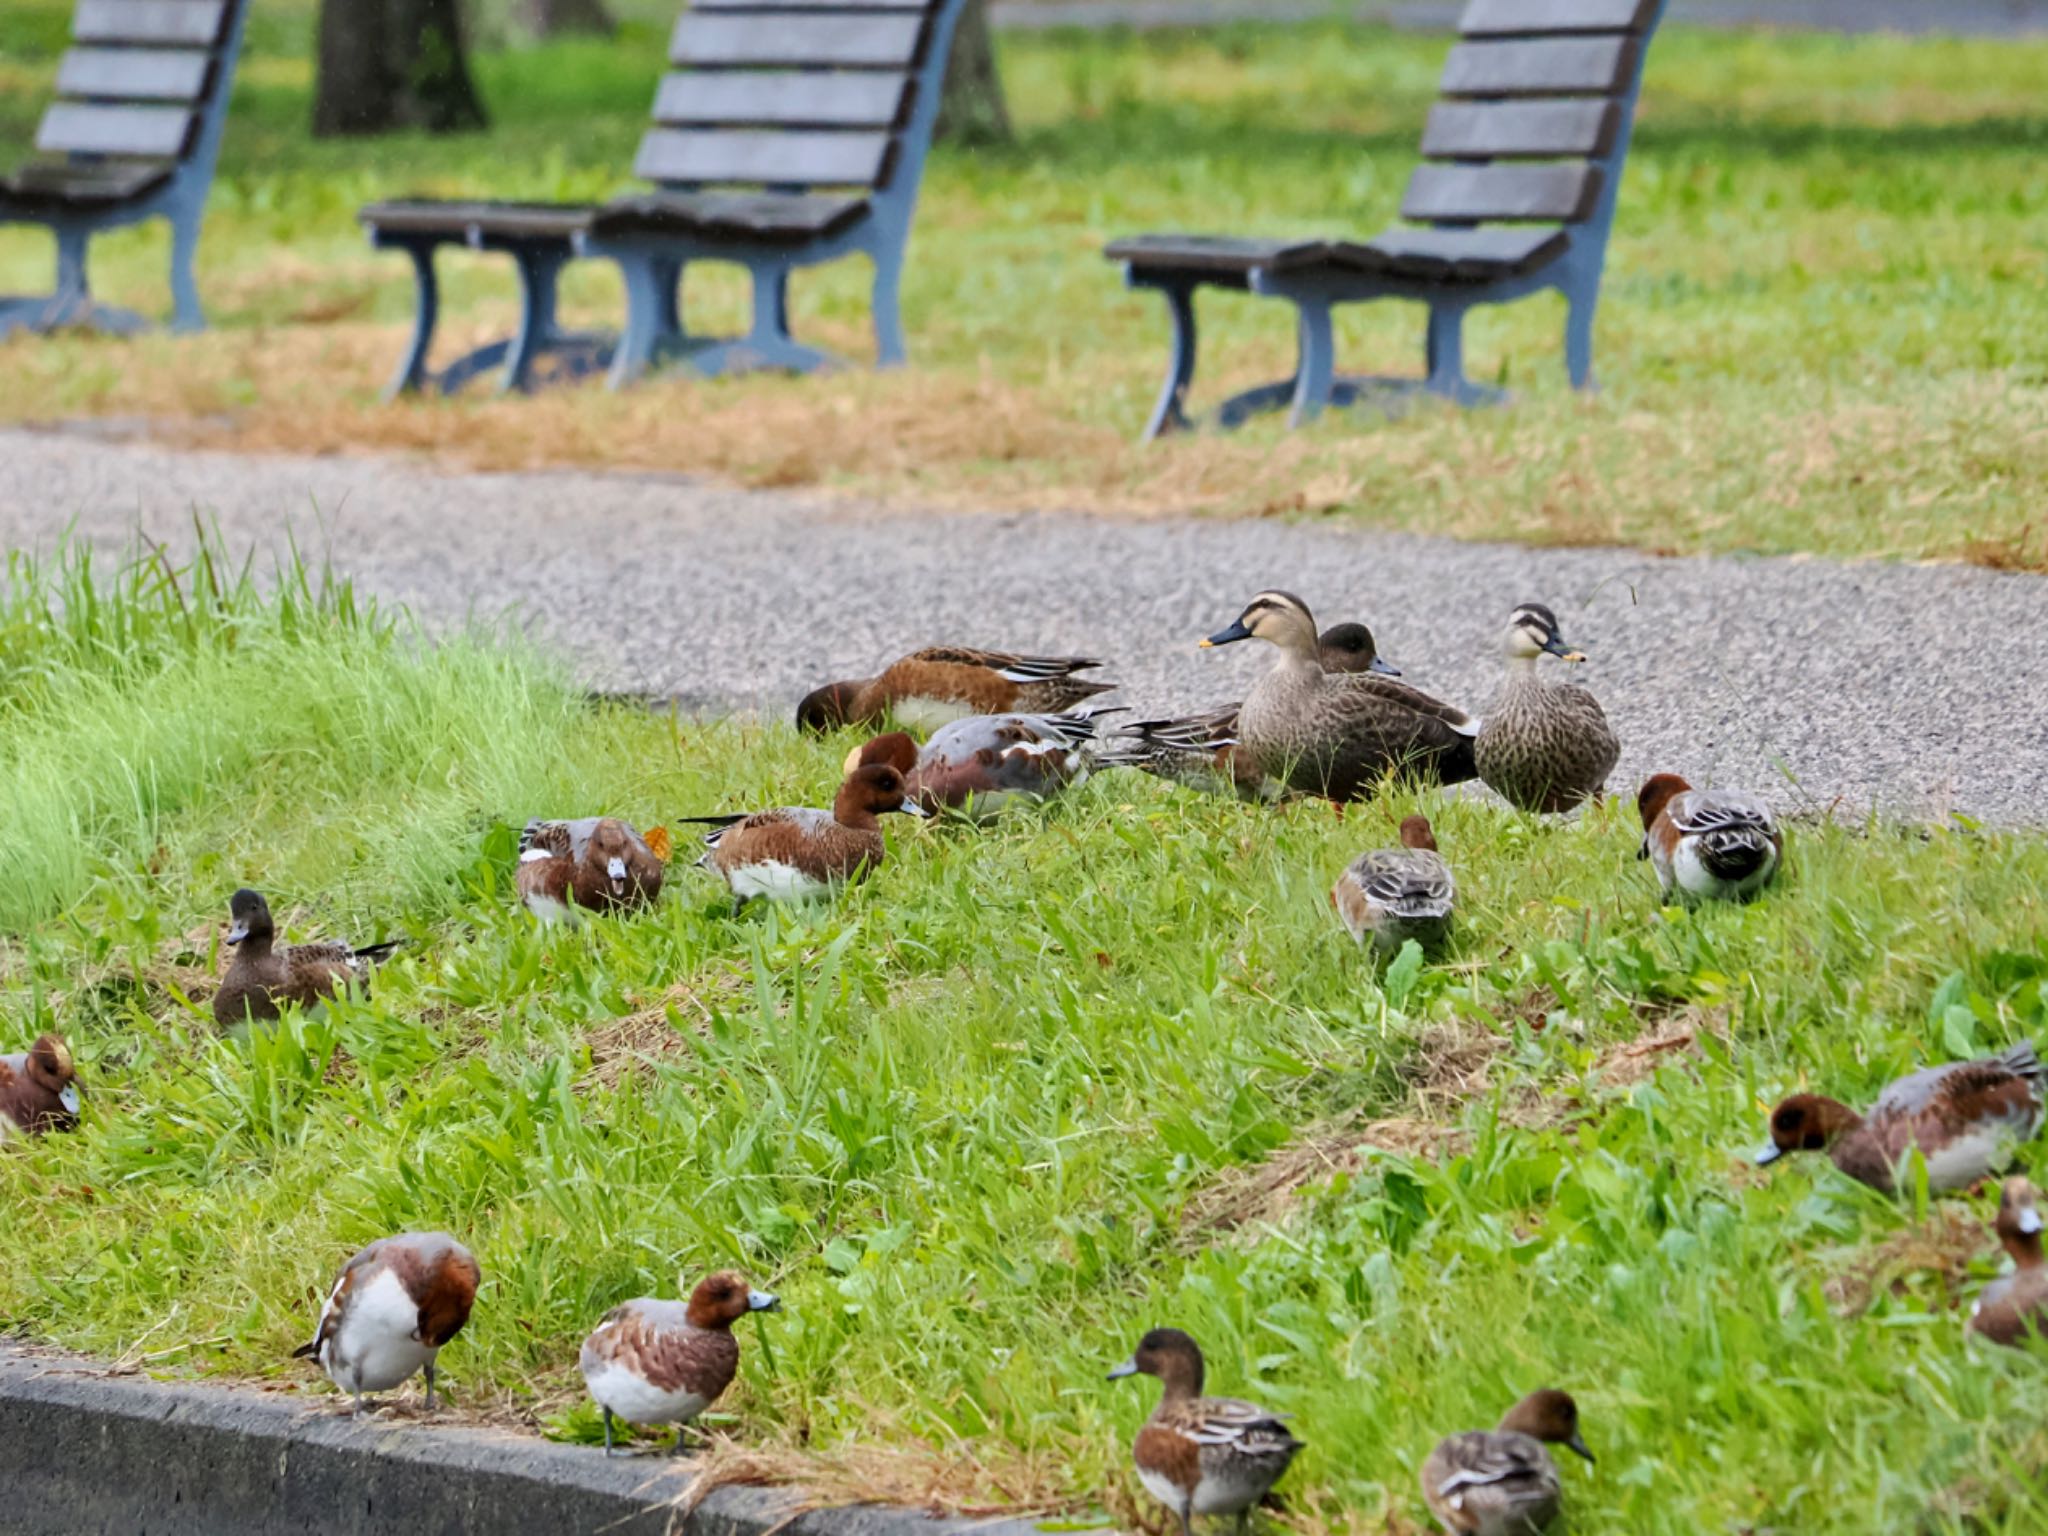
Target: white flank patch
(1165, 1490)
(374, 1349)
(776, 881)
(535, 856)
(1963, 1161)
(927, 715)
(637, 1400)
(8, 1126)
(549, 910)
(1693, 877)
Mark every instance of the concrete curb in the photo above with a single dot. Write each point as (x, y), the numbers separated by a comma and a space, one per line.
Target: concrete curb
(83, 1452)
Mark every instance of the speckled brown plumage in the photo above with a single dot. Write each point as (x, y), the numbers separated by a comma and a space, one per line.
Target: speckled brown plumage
(1544, 746)
(263, 977)
(945, 681)
(2014, 1308)
(1502, 1482)
(38, 1090)
(570, 863)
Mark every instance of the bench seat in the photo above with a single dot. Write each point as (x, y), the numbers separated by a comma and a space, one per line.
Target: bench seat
(476, 222)
(54, 186)
(795, 217)
(1482, 255)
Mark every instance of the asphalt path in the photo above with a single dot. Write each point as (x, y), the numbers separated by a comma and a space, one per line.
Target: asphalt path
(1915, 689)
(1951, 18)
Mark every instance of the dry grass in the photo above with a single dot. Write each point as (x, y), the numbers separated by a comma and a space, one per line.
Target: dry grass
(1940, 1247)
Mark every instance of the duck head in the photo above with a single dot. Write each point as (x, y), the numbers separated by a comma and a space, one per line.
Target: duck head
(825, 708)
(249, 918)
(1532, 630)
(1172, 1356)
(1658, 791)
(608, 849)
(722, 1299)
(1550, 1416)
(1350, 648)
(1807, 1122)
(874, 790)
(49, 1067)
(894, 748)
(1278, 617)
(2019, 1222)
(1416, 832)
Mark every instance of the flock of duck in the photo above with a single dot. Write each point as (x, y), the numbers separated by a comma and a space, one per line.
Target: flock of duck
(1331, 720)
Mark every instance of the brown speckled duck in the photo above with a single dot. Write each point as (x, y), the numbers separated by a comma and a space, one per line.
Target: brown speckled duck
(595, 864)
(1545, 746)
(1338, 734)
(1392, 895)
(799, 852)
(264, 975)
(664, 1362)
(985, 762)
(942, 683)
(1502, 1482)
(2014, 1307)
(39, 1088)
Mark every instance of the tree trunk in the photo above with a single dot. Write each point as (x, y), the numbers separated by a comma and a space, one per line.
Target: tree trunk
(392, 64)
(972, 110)
(554, 18)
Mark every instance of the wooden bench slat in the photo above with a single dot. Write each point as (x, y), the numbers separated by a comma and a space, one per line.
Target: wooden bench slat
(1520, 129)
(1509, 192)
(1498, 18)
(135, 74)
(1452, 255)
(1211, 253)
(794, 218)
(767, 158)
(145, 132)
(868, 99)
(456, 219)
(167, 23)
(1540, 67)
(858, 42)
(82, 184)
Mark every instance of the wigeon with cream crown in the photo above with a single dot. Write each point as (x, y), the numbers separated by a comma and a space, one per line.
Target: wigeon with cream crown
(1545, 746)
(985, 762)
(265, 975)
(39, 1088)
(2014, 1307)
(665, 1362)
(395, 1305)
(1202, 1455)
(594, 864)
(1707, 844)
(1502, 1482)
(1964, 1119)
(932, 687)
(1392, 895)
(797, 852)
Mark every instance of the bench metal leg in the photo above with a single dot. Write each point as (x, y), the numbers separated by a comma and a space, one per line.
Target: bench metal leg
(1169, 412)
(1578, 336)
(1445, 350)
(885, 302)
(186, 313)
(412, 368)
(73, 296)
(1318, 365)
(539, 274)
(645, 307)
(668, 282)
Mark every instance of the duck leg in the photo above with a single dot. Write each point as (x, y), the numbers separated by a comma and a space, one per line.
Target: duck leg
(607, 1432)
(428, 1371)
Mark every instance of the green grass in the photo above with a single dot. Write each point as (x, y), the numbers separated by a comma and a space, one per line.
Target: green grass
(1821, 331)
(961, 1119)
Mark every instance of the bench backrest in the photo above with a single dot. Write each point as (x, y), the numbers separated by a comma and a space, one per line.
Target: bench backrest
(1538, 102)
(798, 94)
(145, 80)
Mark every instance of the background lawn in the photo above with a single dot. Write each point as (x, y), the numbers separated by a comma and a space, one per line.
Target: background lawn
(1822, 327)
(1026, 1093)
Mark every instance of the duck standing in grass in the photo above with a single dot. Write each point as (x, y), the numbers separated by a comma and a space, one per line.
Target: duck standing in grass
(1964, 1118)
(595, 864)
(263, 976)
(1545, 746)
(396, 1303)
(1338, 734)
(1202, 1455)
(1392, 895)
(798, 852)
(1202, 751)
(985, 762)
(943, 683)
(1502, 1482)
(665, 1362)
(1707, 844)
(2014, 1307)
(39, 1089)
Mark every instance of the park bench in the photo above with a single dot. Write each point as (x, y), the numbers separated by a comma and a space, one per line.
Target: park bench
(789, 133)
(1522, 159)
(142, 101)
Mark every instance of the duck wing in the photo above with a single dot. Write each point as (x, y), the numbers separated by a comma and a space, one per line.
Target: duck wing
(1008, 664)
(2014, 1072)
(1238, 1427)
(1490, 1468)
(1406, 882)
(1698, 812)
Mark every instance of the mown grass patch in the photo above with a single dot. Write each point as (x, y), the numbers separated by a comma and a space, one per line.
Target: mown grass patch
(1821, 328)
(997, 1111)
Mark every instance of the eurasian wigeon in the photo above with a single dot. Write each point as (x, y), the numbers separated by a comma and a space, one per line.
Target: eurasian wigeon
(1545, 746)
(1707, 844)
(1965, 1118)
(665, 1362)
(1202, 751)
(594, 864)
(1392, 895)
(1338, 734)
(1202, 1455)
(1502, 1482)
(395, 1305)
(39, 1088)
(798, 852)
(942, 683)
(2014, 1307)
(985, 762)
(263, 976)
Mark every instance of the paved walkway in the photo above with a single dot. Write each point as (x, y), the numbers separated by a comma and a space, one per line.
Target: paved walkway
(1912, 687)
(1965, 18)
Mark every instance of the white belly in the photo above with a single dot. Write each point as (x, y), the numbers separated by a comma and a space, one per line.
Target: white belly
(376, 1347)
(927, 715)
(777, 882)
(1694, 878)
(637, 1400)
(548, 910)
(1165, 1490)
